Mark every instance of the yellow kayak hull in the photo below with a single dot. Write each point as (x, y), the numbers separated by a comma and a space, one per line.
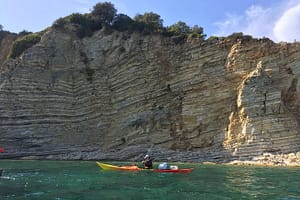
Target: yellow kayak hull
(105, 166)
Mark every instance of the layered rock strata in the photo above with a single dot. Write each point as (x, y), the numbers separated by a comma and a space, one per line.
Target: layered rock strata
(117, 96)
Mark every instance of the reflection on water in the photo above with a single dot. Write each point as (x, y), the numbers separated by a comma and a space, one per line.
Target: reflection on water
(244, 181)
(263, 183)
(84, 180)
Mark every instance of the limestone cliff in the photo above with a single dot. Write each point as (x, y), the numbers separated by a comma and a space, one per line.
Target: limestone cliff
(116, 96)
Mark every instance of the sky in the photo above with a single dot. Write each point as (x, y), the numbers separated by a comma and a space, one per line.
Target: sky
(278, 20)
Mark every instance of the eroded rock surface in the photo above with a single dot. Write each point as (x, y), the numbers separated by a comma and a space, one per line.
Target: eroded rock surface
(117, 96)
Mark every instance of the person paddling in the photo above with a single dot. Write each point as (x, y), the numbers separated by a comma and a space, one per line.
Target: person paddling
(147, 162)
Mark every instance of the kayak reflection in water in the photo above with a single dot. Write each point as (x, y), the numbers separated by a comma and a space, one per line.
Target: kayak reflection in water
(147, 162)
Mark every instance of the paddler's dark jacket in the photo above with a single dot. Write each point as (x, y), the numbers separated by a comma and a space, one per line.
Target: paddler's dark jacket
(148, 163)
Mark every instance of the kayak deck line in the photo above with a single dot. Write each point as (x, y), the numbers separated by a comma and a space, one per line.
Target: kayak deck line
(105, 166)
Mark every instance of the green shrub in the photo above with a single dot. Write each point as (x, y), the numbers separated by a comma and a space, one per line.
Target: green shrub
(149, 22)
(196, 32)
(180, 28)
(60, 23)
(183, 31)
(104, 12)
(77, 18)
(123, 22)
(23, 43)
(84, 23)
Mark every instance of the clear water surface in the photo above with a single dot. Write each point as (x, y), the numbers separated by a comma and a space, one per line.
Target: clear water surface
(84, 180)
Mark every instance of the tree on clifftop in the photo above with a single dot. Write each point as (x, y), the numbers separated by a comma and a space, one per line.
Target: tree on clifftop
(180, 28)
(123, 22)
(197, 32)
(1, 27)
(149, 22)
(104, 12)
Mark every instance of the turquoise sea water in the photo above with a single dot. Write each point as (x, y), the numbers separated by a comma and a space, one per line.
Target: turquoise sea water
(66, 180)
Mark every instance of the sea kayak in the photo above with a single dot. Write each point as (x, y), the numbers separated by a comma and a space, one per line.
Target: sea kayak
(105, 166)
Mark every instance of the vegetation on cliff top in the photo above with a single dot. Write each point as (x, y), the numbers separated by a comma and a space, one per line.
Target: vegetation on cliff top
(23, 43)
(105, 15)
